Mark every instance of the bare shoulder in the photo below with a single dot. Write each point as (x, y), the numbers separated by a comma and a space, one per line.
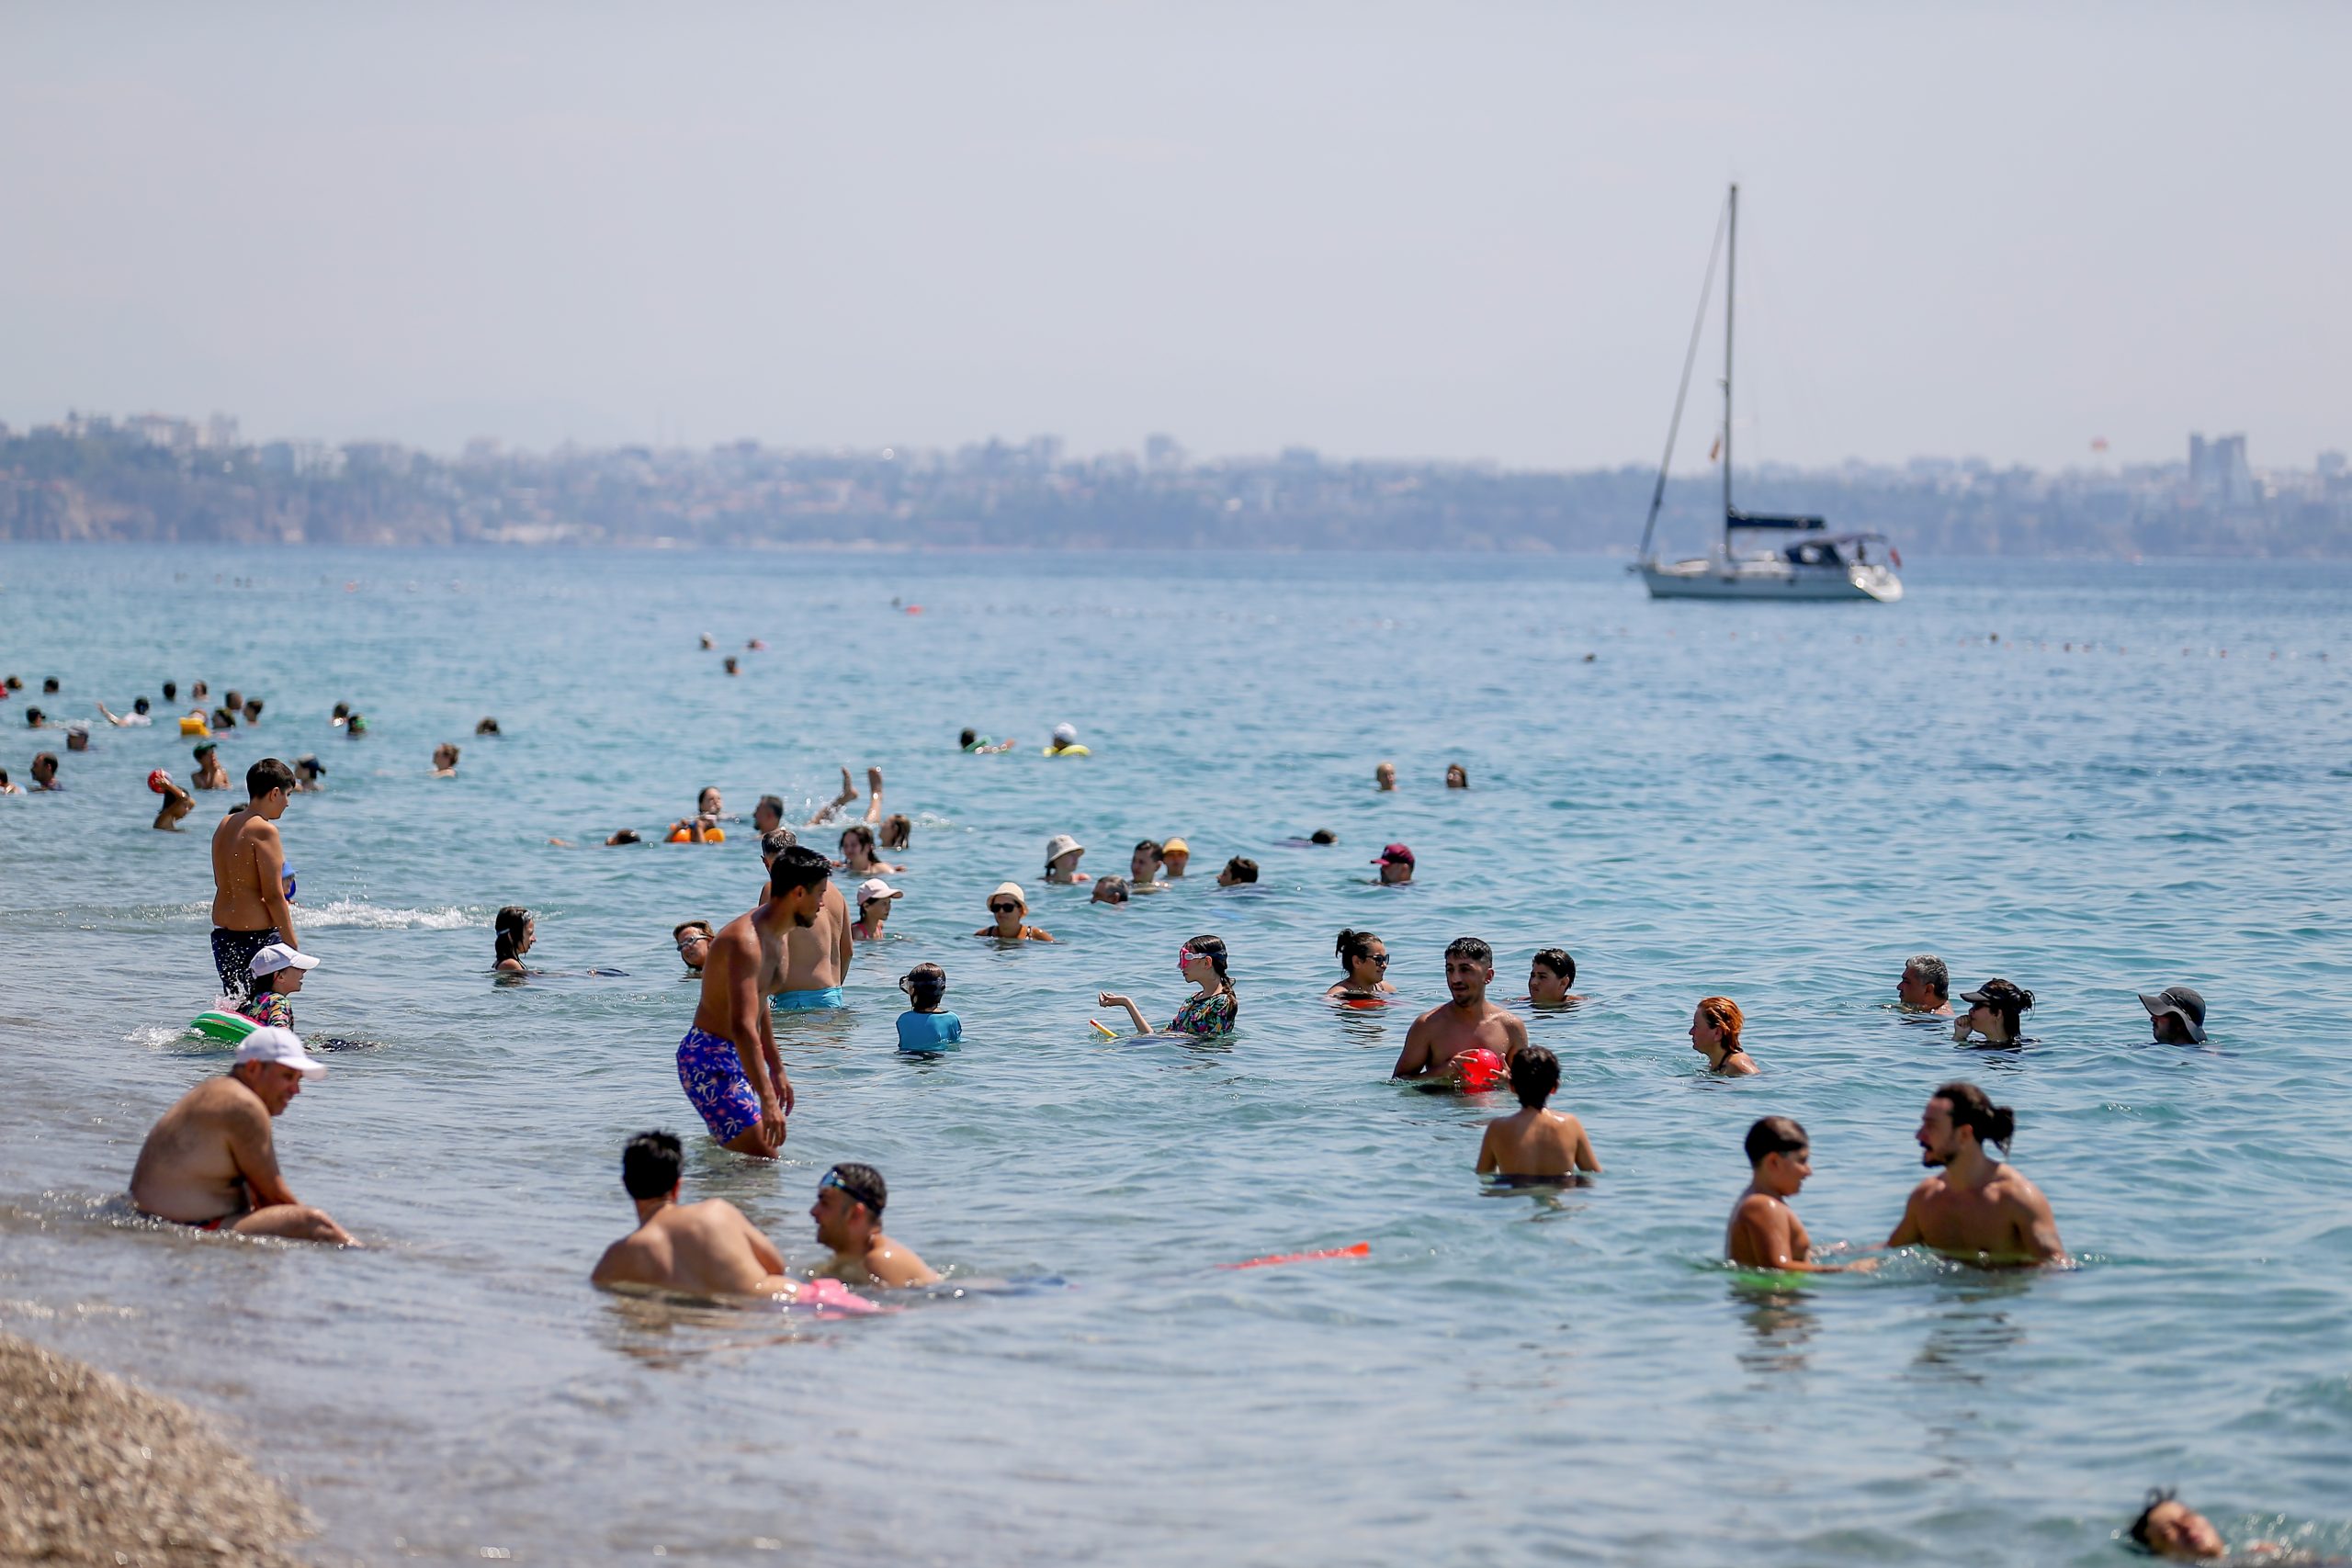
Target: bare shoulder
(1429, 1019)
(2014, 1188)
(1514, 1028)
(1930, 1186)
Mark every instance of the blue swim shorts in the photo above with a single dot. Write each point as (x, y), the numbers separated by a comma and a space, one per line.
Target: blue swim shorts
(806, 1001)
(712, 1075)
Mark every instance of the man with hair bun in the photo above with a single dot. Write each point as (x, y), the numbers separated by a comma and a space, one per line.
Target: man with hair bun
(1975, 1207)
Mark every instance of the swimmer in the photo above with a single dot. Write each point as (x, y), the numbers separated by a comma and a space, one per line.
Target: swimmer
(355, 726)
(1111, 890)
(487, 726)
(1239, 872)
(874, 898)
(341, 716)
(1065, 742)
(700, 828)
(177, 802)
(1716, 1024)
(1549, 974)
(210, 1162)
(711, 804)
(1143, 866)
(1925, 987)
(926, 1026)
(224, 720)
(848, 1211)
(1534, 1141)
(817, 951)
(1995, 1011)
(1396, 864)
(832, 808)
(897, 831)
(1456, 776)
(277, 972)
(1322, 838)
(1213, 1006)
(693, 939)
(45, 771)
(857, 852)
(2175, 1015)
(137, 716)
(252, 905)
(624, 836)
(768, 814)
(1384, 778)
(8, 788)
(979, 744)
(1062, 855)
(445, 761)
(705, 1249)
(171, 690)
(1975, 1207)
(209, 774)
(1466, 1022)
(77, 737)
(1010, 908)
(728, 1063)
(253, 711)
(233, 702)
(1765, 1232)
(1174, 856)
(732, 666)
(516, 931)
(308, 774)
(1365, 958)
(198, 692)
(2170, 1528)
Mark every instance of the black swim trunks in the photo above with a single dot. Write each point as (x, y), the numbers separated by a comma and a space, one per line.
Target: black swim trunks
(232, 954)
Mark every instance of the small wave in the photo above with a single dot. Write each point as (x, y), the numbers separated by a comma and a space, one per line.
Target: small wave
(369, 917)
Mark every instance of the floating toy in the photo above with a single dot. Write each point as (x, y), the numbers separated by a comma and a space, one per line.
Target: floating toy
(157, 779)
(225, 1027)
(1097, 1025)
(709, 836)
(1477, 1070)
(191, 725)
(1360, 1249)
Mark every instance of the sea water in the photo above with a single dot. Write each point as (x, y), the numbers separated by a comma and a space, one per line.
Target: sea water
(2092, 779)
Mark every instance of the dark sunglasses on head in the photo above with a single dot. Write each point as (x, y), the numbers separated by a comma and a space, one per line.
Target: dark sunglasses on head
(1002, 908)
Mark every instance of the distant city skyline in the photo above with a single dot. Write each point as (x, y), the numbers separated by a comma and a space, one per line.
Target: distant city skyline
(1451, 233)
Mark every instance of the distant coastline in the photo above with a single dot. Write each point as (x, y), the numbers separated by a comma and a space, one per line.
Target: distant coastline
(155, 478)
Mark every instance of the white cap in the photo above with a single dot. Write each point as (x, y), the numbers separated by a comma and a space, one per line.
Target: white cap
(1060, 845)
(276, 956)
(279, 1047)
(873, 890)
(1064, 734)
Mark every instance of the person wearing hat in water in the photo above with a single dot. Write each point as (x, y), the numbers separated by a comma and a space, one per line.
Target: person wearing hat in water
(1010, 906)
(1174, 856)
(209, 774)
(1396, 864)
(210, 1162)
(1065, 742)
(1974, 1206)
(2177, 1014)
(848, 1211)
(1062, 855)
(1995, 1011)
(874, 900)
(277, 972)
(307, 771)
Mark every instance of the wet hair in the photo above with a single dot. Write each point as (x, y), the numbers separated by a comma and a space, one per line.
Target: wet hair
(1111, 890)
(233, 698)
(795, 868)
(253, 709)
(862, 1184)
(1973, 1109)
(967, 738)
(223, 719)
(268, 774)
(3, 777)
(625, 835)
(487, 727)
(40, 757)
(650, 1163)
(2007, 998)
(1470, 947)
(1558, 961)
(1725, 1014)
(678, 931)
(509, 926)
(861, 833)
(1353, 946)
(1150, 847)
(926, 984)
(307, 766)
(33, 717)
(448, 746)
(171, 690)
(1931, 968)
(775, 841)
(898, 831)
(1456, 771)
(1243, 868)
(342, 710)
(2157, 1497)
(139, 705)
(50, 684)
(773, 803)
(1323, 836)
(1212, 949)
(1775, 1135)
(1534, 1075)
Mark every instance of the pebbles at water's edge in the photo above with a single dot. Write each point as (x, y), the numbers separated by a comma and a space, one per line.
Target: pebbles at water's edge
(95, 1470)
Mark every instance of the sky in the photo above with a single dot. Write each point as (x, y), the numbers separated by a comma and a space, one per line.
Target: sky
(1448, 231)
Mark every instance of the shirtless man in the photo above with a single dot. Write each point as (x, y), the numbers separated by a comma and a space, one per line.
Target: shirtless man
(1765, 1232)
(706, 1249)
(249, 904)
(210, 1164)
(1925, 987)
(1468, 1022)
(848, 1213)
(209, 774)
(1977, 1207)
(727, 1062)
(1534, 1143)
(835, 915)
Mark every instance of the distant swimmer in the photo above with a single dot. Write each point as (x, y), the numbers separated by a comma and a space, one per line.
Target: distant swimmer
(1065, 742)
(1765, 1232)
(176, 804)
(1996, 1012)
(44, 772)
(272, 977)
(1975, 1207)
(1239, 872)
(1365, 958)
(979, 744)
(8, 788)
(1715, 1025)
(137, 716)
(2176, 1015)
(445, 761)
(1062, 855)
(700, 828)
(1213, 1006)
(857, 852)
(705, 1249)
(832, 807)
(848, 1211)
(1549, 974)
(1456, 776)
(1144, 863)
(1112, 890)
(341, 716)
(36, 719)
(209, 1163)
(310, 774)
(897, 831)
(253, 711)
(874, 898)
(252, 889)
(2170, 1528)
(768, 814)
(815, 950)
(1396, 864)
(1925, 987)
(927, 1025)
(209, 774)
(1534, 1142)
(1175, 855)
(1384, 777)
(1009, 909)
(487, 726)
(728, 1063)
(693, 938)
(1467, 1022)
(514, 931)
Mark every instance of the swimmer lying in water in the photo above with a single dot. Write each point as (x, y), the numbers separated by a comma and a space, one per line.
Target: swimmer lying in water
(705, 1249)
(848, 1213)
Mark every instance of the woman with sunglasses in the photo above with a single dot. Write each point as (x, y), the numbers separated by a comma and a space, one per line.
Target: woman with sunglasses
(1365, 958)
(1009, 904)
(1212, 1008)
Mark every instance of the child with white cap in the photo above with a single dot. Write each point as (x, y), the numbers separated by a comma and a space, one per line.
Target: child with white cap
(874, 898)
(277, 972)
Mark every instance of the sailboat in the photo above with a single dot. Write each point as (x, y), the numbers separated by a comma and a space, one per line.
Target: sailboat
(1762, 555)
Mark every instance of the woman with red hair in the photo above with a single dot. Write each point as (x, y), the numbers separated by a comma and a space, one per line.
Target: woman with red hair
(1715, 1035)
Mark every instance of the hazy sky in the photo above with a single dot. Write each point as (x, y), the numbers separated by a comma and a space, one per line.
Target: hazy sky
(1448, 230)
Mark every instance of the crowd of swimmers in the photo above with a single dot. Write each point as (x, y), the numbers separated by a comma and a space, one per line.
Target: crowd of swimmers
(208, 1163)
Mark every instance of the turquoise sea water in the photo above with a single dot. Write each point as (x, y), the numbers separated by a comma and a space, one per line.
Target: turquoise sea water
(1780, 802)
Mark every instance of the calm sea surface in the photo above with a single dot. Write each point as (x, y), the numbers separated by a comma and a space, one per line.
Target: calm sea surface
(1780, 803)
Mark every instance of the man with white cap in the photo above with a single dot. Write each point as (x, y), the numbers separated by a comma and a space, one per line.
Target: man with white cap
(874, 900)
(210, 1164)
(276, 972)
(2177, 1014)
(1065, 742)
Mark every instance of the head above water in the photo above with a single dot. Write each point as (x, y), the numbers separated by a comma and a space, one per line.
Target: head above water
(797, 872)
(1361, 951)
(768, 814)
(2177, 1014)
(1775, 1135)
(898, 831)
(857, 842)
(1550, 972)
(1720, 1018)
(2002, 1004)
(859, 1184)
(1926, 983)
(1456, 776)
(650, 1166)
(2169, 1528)
(1469, 969)
(709, 803)
(510, 931)
(1239, 872)
(775, 841)
(1211, 948)
(1960, 1116)
(1112, 890)
(1534, 1075)
(1323, 836)
(969, 739)
(925, 985)
(267, 775)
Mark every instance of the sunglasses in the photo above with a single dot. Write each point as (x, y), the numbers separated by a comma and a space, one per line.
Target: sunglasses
(1379, 958)
(686, 942)
(1003, 909)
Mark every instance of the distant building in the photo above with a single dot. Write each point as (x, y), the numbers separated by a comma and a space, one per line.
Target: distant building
(2330, 464)
(221, 432)
(1163, 454)
(161, 430)
(2218, 472)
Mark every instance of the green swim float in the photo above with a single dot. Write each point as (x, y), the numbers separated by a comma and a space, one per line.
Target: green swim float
(225, 1027)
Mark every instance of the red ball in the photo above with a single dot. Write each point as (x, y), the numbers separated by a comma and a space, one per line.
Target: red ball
(157, 780)
(1480, 1070)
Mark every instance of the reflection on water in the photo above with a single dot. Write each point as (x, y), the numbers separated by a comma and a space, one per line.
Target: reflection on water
(1781, 1323)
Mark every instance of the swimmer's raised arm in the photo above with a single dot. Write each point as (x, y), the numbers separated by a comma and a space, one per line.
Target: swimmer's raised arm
(1112, 999)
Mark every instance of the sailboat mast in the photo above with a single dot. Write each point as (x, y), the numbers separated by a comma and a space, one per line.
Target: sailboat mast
(1731, 286)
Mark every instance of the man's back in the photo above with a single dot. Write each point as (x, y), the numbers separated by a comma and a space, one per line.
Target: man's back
(1536, 1142)
(814, 953)
(706, 1248)
(187, 1167)
(236, 870)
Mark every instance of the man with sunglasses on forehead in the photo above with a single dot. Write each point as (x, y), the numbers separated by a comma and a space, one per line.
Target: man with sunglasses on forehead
(1466, 1022)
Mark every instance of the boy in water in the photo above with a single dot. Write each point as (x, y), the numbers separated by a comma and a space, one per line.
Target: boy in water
(1534, 1144)
(848, 1213)
(1549, 974)
(1765, 1232)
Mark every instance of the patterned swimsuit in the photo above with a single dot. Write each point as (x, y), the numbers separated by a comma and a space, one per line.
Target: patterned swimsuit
(1211, 1015)
(712, 1075)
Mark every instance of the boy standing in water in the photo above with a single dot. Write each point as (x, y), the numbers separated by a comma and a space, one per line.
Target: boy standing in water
(728, 1063)
(1765, 1232)
(1533, 1143)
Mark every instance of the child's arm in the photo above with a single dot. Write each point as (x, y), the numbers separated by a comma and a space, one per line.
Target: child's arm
(1586, 1160)
(1488, 1161)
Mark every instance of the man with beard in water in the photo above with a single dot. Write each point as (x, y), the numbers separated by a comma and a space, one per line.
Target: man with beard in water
(1454, 1030)
(1975, 1207)
(727, 1062)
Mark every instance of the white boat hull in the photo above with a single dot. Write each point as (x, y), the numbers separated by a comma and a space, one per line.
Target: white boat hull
(1769, 579)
